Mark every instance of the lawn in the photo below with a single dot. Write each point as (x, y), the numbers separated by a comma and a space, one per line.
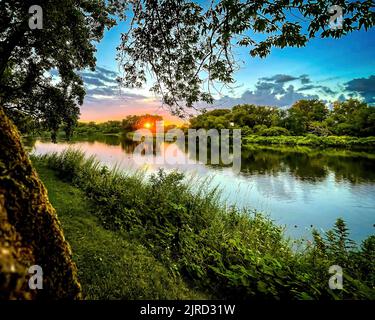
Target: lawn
(110, 266)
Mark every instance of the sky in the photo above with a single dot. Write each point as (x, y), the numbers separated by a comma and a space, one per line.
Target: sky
(327, 69)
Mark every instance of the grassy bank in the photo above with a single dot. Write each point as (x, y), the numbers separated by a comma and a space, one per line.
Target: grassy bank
(110, 265)
(310, 140)
(185, 230)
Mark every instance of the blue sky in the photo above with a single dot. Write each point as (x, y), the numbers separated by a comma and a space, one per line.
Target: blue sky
(328, 69)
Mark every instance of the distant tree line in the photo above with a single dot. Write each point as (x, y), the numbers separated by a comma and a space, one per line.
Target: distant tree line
(187, 46)
(351, 117)
(129, 124)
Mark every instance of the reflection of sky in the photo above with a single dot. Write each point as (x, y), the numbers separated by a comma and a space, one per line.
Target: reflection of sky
(288, 199)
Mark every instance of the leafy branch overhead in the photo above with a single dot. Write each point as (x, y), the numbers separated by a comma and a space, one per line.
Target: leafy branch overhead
(188, 47)
(66, 43)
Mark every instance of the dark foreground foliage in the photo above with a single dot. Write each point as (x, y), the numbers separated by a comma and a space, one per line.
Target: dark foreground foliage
(30, 233)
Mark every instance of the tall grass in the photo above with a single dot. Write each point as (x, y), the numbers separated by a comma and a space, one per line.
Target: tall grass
(228, 252)
(311, 140)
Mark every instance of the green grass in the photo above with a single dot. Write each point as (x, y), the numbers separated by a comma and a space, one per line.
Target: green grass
(110, 265)
(182, 228)
(311, 140)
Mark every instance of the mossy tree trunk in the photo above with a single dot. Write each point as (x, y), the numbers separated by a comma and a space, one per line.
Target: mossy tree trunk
(30, 233)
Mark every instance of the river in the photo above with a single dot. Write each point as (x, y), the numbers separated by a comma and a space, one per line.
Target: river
(298, 187)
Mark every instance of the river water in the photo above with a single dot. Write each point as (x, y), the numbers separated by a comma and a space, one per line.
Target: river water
(298, 187)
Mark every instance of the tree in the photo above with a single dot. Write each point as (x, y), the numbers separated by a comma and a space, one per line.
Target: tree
(252, 115)
(188, 46)
(146, 121)
(352, 117)
(65, 43)
(302, 115)
(30, 233)
(129, 123)
(218, 119)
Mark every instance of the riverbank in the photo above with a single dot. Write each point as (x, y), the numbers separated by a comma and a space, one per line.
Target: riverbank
(225, 252)
(310, 140)
(306, 140)
(111, 265)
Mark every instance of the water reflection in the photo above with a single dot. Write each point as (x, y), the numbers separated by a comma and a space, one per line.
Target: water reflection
(297, 186)
(313, 165)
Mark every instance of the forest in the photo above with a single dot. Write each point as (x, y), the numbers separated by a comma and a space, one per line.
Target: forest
(347, 118)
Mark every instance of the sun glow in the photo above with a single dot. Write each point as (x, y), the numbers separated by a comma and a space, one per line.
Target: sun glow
(147, 125)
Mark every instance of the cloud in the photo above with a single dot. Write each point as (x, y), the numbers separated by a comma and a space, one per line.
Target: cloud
(364, 87)
(106, 100)
(101, 85)
(280, 78)
(327, 90)
(271, 91)
(305, 79)
(104, 109)
(305, 88)
(108, 73)
(323, 89)
(284, 78)
(282, 90)
(105, 76)
(93, 81)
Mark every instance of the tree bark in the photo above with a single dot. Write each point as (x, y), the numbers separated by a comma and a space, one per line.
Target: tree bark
(30, 232)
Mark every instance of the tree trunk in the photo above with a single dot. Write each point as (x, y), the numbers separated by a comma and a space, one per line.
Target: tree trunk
(30, 233)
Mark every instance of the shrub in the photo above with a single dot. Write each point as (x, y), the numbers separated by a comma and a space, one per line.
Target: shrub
(312, 140)
(259, 127)
(231, 253)
(274, 131)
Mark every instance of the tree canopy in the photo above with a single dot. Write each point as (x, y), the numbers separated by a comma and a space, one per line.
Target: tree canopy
(66, 43)
(187, 47)
(351, 117)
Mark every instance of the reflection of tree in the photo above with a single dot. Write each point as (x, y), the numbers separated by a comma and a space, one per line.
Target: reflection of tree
(355, 169)
(129, 145)
(255, 161)
(305, 167)
(303, 163)
(111, 140)
(309, 164)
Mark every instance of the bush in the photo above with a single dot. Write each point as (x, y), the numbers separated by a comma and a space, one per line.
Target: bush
(319, 129)
(312, 140)
(246, 130)
(229, 252)
(274, 131)
(259, 128)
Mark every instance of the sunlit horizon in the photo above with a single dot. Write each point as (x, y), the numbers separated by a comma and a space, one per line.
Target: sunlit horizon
(105, 114)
